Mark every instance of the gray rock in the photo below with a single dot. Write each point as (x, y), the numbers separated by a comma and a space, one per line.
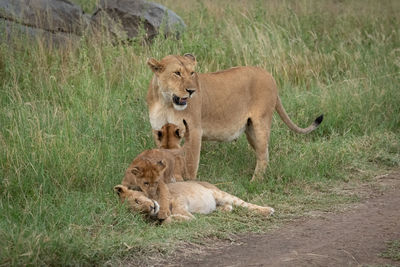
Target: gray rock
(49, 15)
(123, 18)
(58, 21)
(11, 31)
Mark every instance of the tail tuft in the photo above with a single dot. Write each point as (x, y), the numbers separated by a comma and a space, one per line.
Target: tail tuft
(319, 120)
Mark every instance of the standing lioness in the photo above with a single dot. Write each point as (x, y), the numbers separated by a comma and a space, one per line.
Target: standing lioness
(216, 106)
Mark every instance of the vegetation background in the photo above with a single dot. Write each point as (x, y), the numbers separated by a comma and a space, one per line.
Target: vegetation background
(72, 120)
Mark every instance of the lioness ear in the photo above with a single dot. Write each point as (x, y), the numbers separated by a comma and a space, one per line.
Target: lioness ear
(136, 171)
(155, 66)
(161, 165)
(191, 57)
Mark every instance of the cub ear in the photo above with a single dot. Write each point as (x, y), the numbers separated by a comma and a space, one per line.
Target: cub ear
(136, 171)
(186, 130)
(178, 133)
(155, 66)
(191, 57)
(159, 135)
(119, 189)
(161, 165)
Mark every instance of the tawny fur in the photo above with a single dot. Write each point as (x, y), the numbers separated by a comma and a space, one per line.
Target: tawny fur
(137, 201)
(150, 171)
(187, 198)
(216, 106)
(170, 137)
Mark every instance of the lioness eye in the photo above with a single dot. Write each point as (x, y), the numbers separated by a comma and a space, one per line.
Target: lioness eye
(137, 201)
(192, 73)
(177, 73)
(146, 183)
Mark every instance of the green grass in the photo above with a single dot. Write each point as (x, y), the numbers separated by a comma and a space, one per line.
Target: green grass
(392, 250)
(72, 119)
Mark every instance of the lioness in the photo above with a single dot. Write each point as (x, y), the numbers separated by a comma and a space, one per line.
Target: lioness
(149, 172)
(187, 198)
(216, 106)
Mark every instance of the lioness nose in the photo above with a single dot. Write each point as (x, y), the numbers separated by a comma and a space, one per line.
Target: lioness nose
(190, 91)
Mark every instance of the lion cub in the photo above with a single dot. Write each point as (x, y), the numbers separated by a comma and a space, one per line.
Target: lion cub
(170, 137)
(187, 198)
(149, 172)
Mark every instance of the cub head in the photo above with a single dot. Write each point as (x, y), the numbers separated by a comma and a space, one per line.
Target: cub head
(137, 201)
(176, 78)
(145, 174)
(169, 137)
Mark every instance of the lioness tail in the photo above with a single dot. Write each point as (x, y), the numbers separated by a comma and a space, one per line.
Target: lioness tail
(284, 116)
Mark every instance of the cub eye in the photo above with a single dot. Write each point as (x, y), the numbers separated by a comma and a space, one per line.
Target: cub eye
(146, 183)
(192, 73)
(178, 73)
(137, 201)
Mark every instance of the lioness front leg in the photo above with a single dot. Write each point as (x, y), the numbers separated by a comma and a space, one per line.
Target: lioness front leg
(192, 153)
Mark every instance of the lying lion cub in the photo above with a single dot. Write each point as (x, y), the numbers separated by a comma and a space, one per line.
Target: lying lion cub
(187, 198)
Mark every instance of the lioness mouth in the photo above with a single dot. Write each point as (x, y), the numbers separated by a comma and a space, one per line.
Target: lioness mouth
(181, 101)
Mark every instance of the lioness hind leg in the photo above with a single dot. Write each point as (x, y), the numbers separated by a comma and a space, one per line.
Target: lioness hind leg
(257, 133)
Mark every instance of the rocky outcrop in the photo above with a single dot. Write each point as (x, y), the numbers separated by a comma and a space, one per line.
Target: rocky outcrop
(56, 20)
(61, 20)
(125, 18)
(49, 15)
(10, 30)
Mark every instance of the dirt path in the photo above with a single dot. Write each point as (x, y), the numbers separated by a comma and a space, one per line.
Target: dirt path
(354, 237)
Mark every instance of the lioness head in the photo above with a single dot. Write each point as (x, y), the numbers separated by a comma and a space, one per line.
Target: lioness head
(169, 137)
(176, 78)
(137, 201)
(145, 174)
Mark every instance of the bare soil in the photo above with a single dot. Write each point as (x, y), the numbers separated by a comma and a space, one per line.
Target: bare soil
(355, 236)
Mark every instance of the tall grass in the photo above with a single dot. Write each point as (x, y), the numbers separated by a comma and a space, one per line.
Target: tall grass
(73, 118)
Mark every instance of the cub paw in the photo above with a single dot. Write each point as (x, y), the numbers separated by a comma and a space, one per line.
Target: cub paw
(267, 211)
(163, 214)
(227, 208)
